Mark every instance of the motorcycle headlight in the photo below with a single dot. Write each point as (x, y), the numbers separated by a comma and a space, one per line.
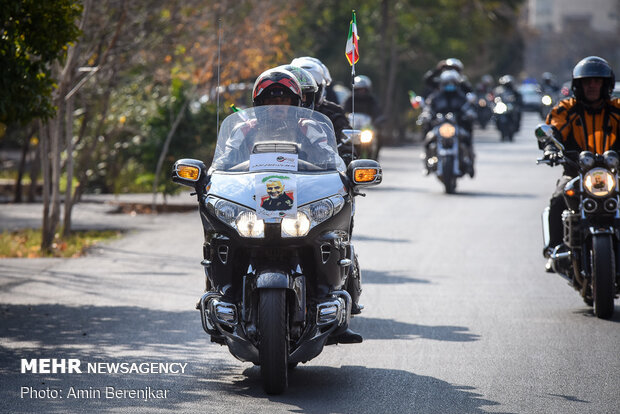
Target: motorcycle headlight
(296, 227)
(500, 108)
(312, 215)
(226, 211)
(240, 218)
(321, 211)
(447, 130)
(366, 136)
(546, 100)
(248, 225)
(599, 182)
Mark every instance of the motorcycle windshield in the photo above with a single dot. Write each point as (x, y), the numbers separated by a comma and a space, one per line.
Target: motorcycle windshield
(361, 121)
(281, 129)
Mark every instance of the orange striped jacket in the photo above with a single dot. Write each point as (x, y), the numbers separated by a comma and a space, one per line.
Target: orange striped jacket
(583, 129)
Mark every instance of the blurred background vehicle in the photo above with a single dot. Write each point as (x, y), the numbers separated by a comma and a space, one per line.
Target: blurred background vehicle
(532, 97)
(616, 92)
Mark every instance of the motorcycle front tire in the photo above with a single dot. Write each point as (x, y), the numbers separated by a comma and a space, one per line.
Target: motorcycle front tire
(603, 273)
(449, 178)
(273, 347)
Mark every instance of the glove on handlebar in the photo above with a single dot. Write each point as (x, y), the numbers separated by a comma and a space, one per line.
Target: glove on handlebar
(551, 155)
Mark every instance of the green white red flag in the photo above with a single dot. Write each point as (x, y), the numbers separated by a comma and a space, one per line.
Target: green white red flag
(352, 51)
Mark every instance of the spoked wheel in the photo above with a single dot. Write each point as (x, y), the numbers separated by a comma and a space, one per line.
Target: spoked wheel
(603, 273)
(273, 347)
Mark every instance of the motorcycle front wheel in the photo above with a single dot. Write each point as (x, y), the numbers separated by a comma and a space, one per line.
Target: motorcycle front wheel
(448, 178)
(273, 348)
(603, 273)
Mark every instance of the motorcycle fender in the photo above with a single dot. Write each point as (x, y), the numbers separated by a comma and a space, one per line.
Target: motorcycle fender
(545, 227)
(273, 280)
(601, 230)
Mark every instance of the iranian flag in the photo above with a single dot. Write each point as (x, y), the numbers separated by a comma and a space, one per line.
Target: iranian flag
(352, 51)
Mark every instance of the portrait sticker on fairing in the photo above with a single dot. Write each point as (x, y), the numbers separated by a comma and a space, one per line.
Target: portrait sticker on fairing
(276, 195)
(273, 161)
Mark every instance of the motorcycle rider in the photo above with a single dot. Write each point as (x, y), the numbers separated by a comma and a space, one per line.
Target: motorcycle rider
(485, 86)
(281, 87)
(549, 85)
(507, 91)
(450, 98)
(589, 121)
(432, 81)
(276, 87)
(365, 103)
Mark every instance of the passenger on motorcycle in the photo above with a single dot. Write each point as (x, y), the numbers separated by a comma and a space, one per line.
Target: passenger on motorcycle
(330, 109)
(590, 121)
(450, 98)
(309, 87)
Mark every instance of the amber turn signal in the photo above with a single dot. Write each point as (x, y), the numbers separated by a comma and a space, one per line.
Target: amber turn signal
(570, 192)
(365, 175)
(188, 172)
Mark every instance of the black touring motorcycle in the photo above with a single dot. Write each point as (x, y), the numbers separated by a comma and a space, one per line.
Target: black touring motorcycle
(590, 253)
(277, 209)
(448, 155)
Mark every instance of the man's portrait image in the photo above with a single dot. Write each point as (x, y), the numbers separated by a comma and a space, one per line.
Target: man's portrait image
(277, 198)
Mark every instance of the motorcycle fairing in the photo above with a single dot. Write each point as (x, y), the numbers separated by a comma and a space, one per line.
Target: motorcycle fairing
(240, 188)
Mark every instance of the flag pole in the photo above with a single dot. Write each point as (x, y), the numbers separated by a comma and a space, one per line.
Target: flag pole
(219, 48)
(353, 84)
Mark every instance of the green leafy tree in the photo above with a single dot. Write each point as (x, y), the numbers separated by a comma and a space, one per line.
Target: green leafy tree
(401, 39)
(34, 34)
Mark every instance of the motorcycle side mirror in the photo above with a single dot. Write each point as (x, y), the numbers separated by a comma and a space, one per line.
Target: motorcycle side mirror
(546, 134)
(364, 172)
(354, 135)
(189, 172)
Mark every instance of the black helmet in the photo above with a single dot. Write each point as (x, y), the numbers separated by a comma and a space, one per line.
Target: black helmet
(593, 67)
(308, 85)
(276, 82)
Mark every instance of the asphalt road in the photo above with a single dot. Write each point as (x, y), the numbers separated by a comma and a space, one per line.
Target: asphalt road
(460, 316)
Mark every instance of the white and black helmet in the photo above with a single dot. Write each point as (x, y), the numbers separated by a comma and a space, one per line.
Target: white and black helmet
(316, 70)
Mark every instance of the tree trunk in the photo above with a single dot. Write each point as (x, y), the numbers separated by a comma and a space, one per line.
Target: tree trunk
(66, 229)
(35, 168)
(17, 196)
(46, 240)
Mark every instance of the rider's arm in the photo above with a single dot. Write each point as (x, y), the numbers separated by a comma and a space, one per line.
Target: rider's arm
(559, 117)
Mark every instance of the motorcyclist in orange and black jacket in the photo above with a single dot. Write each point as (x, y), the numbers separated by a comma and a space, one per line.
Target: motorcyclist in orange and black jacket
(589, 121)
